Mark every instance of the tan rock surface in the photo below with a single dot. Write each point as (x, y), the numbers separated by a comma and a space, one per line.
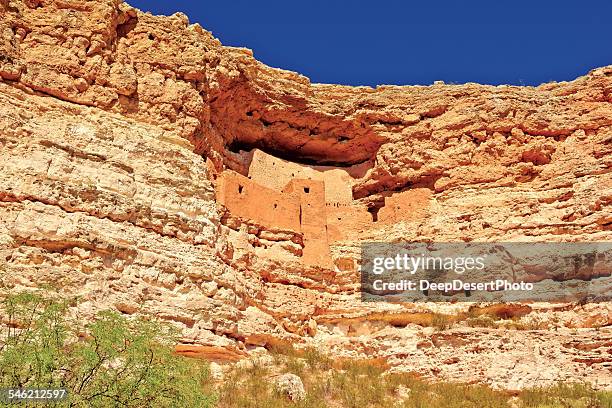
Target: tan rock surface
(115, 127)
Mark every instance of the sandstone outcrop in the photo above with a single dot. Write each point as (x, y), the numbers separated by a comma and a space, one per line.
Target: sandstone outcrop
(129, 141)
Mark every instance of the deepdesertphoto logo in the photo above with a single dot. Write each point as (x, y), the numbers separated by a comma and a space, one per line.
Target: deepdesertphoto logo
(511, 271)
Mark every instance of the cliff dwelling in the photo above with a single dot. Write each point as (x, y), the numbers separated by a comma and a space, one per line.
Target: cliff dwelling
(315, 203)
(148, 170)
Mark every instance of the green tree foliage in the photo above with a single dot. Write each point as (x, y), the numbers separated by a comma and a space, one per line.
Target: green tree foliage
(112, 362)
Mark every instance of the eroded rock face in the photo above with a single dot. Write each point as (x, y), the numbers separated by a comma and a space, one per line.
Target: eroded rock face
(117, 129)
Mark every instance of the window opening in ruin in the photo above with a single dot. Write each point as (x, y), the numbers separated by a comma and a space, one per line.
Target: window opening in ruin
(306, 190)
(374, 212)
(240, 188)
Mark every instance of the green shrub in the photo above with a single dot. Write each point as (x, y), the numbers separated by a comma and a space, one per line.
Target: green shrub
(111, 362)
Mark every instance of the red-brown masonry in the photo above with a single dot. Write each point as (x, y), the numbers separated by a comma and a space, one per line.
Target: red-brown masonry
(313, 222)
(276, 173)
(302, 207)
(246, 199)
(344, 220)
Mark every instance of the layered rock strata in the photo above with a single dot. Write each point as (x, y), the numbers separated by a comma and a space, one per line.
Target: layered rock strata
(119, 129)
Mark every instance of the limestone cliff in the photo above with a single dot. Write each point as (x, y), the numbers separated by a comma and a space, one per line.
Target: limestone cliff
(126, 140)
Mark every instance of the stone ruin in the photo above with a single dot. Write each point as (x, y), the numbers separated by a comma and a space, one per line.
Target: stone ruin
(315, 202)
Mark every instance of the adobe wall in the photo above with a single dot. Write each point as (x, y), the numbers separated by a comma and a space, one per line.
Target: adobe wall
(275, 173)
(405, 206)
(345, 220)
(313, 221)
(301, 206)
(264, 206)
(337, 185)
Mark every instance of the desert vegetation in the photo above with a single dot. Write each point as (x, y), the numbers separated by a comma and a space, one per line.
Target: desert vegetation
(111, 362)
(116, 361)
(354, 384)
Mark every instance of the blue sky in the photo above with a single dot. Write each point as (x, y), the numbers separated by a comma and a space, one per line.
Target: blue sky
(412, 42)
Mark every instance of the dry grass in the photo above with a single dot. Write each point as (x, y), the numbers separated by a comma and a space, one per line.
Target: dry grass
(443, 322)
(566, 396)
(357, 384)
